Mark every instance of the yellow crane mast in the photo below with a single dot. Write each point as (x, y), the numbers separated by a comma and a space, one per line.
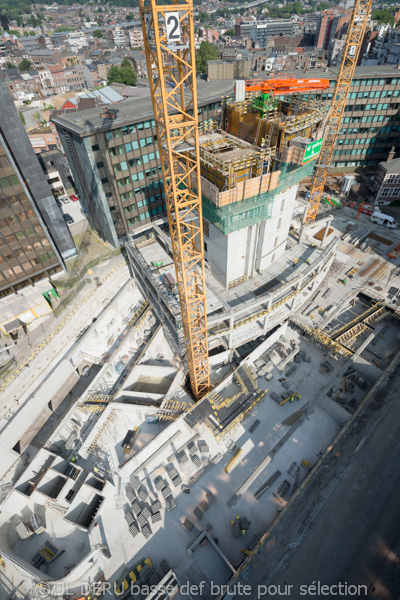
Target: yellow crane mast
(355, 35)
(168, 32)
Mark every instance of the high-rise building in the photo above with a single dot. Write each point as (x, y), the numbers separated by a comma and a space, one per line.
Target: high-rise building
(324, 27)
(34, 239)
(370, 125)
(114, 159)
(260, 31)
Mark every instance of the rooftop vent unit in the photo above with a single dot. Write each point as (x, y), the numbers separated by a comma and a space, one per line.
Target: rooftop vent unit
(108, 114)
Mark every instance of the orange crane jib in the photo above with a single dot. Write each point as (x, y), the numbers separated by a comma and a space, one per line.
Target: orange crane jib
(285, 86)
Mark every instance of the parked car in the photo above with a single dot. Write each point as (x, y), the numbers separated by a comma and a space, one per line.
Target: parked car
(65, 199)
(74, 198)
(68, 219)
(59, 204)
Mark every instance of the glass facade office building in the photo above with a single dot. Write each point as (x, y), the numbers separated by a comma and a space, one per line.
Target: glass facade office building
(115, 160)
(34, 240)
(114, 155)
(371, 121)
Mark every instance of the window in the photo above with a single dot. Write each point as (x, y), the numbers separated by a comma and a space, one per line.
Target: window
(95, 147)
(275, 242)
(4, 183)
(140, 204)
(139, 126)
(116, 150)
(149, 141)
(99, 165)
(147, 124)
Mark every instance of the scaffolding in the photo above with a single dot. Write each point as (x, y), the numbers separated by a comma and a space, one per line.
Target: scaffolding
(239, 214)
(252, 158)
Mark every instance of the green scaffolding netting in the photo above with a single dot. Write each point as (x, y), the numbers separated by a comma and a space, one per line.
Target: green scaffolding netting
(238, 215)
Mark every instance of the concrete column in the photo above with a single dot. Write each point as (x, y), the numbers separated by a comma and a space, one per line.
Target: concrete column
(266, 318)
(298, 286)
(326, 231)
(230, 337)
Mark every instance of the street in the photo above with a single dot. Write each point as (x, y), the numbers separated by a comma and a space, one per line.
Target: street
(357, 532)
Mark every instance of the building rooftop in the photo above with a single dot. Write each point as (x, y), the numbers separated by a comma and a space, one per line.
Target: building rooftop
(391, 166)
(42, 52)
(134, 110)
(360, 72)
(12, 73)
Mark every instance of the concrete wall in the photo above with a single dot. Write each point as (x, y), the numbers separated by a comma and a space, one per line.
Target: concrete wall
(366, 369)
(216, 252)
(274, 231)
(242, 253)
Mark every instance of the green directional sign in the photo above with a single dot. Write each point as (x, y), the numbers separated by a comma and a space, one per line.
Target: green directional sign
(312, 150)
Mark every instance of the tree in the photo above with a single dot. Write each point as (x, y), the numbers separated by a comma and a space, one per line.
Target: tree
(34, 21)
(130, 17)
(383, 15)
(63, 29)
(24, 65)
(206, 52)
(202, 16)
(97, 33)
(230, 32)
(4, 20)
(9, 65)
(123, 74)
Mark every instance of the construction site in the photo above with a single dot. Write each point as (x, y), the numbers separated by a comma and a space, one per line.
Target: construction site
(228, 371)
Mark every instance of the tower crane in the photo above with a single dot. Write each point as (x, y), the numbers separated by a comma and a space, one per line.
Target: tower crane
(168, 32)
(355, 35)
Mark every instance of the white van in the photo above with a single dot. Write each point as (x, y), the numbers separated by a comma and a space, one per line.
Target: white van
(381, 219)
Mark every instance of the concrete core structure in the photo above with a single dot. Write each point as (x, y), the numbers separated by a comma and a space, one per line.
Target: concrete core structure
(249, 177)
